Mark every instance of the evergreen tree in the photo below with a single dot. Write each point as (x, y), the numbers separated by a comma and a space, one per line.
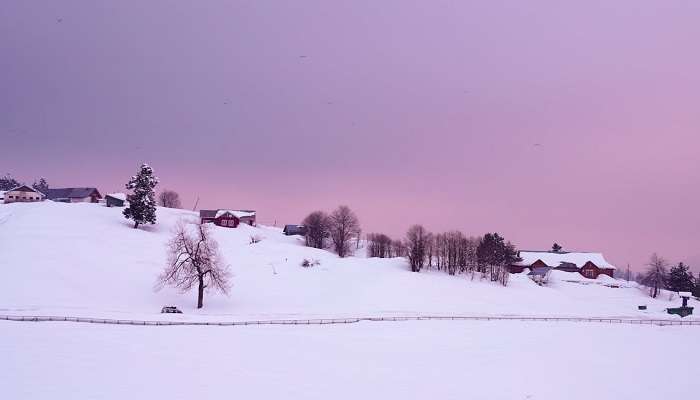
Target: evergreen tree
(696, 290)
(680, 279)
(495, 255)
(41, 186)
(7, 182)
(495, 251)
(142, 203)
(556, 248)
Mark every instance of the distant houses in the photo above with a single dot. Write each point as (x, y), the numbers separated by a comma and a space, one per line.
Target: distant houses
(228, 218)
(23, 194)
(291, 230)
(74, 195)
(115, 200)
(590, 265)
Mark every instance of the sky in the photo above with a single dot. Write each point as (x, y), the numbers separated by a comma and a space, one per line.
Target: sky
(575, 122)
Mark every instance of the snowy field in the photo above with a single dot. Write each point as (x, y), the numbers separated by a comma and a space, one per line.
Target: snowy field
(371, 360)
(85, 260)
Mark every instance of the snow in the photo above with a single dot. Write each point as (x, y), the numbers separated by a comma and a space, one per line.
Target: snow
(86, 260)
(235, 213)
(555, 259)
(372, 360)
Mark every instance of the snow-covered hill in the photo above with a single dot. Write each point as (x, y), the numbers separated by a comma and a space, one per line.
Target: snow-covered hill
(86, 260)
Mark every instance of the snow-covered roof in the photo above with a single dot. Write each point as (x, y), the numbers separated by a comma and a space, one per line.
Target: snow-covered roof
(24, 188)
(685, 294)
(71, 193)
(120, 196)
(236, 213)
(554, 260)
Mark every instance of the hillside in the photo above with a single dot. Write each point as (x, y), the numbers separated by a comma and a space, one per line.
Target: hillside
(86, 260)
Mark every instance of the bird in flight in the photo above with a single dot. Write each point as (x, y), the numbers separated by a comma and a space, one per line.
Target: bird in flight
(59, 20)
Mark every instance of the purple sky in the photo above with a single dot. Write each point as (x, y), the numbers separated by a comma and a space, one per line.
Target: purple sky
(544, 121)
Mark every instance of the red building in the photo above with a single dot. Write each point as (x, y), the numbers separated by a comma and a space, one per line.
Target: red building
(228, 218)
(590, 265)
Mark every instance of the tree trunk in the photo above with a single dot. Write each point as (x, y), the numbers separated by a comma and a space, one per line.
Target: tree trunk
(136, 225)
(200, 293)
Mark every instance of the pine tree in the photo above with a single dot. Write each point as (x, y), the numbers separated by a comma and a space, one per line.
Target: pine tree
(556, 248)
(680, 279)
(142, 203)
(41, 186)
(495, 254)
(696, 290)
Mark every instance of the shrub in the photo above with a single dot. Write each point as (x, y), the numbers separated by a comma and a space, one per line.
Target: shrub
(306, 263)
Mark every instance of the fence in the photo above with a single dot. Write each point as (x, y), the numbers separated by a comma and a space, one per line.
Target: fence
(329, 321)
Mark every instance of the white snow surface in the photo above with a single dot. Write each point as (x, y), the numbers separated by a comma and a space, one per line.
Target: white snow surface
(555, 259)
(87, 260)
(371, 360)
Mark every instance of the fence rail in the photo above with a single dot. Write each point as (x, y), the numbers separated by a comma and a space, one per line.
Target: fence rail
(328, 321)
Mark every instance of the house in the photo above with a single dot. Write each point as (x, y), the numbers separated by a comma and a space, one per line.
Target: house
(74, 195)
(228, 218)
(23, 194)
(290, 230)
(115, 200)
(590, 265)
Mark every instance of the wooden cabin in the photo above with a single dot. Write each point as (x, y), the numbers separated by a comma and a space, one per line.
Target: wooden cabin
(291, 230)
(115, 200)
(228, 218)
(23, 194)
(74, 195)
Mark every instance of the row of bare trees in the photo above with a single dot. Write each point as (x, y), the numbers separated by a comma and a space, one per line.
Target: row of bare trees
(382, 246)
(339, 230)
(452, 252)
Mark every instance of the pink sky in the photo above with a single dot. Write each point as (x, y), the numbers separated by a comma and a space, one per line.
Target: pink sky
(575, 122)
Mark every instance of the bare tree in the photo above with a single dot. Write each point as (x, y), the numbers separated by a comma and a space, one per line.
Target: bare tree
(317, 229)
(344, 227)
(378, 245)
(169, 198)
(194, 259)
(416, 246)
(398, 249)
(655, 276)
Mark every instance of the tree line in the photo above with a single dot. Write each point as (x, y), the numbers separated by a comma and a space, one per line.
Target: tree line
(451, 252)
(7, 182)
(658, 276)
